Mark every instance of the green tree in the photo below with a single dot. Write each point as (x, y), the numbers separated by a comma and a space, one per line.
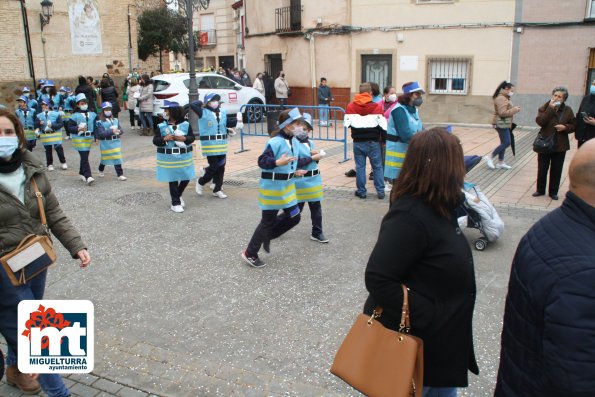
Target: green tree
(160, 29)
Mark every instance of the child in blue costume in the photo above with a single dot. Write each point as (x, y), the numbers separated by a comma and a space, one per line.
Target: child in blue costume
(81, 127)
(175, 163)
(49, 124)
(33, 104)
(309, 187)
(26, 116)
(110, 144)
(278, 164)
(213, 139)
(69, 107)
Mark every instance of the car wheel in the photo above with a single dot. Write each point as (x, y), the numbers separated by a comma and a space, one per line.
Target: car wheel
(253, 114)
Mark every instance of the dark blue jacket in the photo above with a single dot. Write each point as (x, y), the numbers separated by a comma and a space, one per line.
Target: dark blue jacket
(548, 339)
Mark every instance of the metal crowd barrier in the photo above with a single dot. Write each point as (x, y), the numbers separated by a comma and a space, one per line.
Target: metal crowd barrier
(331, 131)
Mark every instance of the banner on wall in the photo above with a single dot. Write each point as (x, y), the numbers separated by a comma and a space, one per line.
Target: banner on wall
(85, 27)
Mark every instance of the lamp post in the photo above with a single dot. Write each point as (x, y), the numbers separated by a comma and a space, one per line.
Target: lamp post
(189, 6)
(129, 40)
(47, 10)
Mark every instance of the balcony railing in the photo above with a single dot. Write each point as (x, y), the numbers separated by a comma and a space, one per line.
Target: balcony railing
(207, 38)
(288, 19)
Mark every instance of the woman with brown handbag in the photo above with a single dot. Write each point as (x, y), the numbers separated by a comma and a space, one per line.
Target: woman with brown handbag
(421, 246)
(21, 176)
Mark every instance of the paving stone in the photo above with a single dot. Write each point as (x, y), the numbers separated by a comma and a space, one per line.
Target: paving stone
(105, 394)
(83, 390)
(9, 391)
(129, 392)
(87, 379)
(107, 386)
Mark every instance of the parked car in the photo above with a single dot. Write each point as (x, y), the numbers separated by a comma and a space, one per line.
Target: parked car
(175, 86)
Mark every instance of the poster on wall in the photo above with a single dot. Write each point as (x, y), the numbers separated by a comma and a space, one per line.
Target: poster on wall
(85, 27)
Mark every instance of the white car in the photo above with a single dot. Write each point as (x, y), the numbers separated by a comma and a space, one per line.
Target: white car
(175, 86)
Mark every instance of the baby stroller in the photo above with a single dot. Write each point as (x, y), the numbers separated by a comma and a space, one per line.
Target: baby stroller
(480, 214)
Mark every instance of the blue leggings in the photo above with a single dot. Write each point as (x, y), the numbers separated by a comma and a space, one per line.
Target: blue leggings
(504, 134)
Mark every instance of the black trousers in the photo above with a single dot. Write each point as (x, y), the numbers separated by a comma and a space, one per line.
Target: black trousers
(214, 171)
(176, 189)
(31, 145)
(271, 226)
(133, 118)
(49, 156)
(315, 215)
(118, 167)
(85, 167)
(554, 163)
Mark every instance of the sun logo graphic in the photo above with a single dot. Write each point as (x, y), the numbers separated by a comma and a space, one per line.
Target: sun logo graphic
(56, 336)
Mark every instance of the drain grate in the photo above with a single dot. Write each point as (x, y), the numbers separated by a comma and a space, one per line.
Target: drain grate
(233, 182)
(140, 198)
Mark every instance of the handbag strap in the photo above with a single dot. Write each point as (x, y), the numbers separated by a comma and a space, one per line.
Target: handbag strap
(39, 196)
(405, 324)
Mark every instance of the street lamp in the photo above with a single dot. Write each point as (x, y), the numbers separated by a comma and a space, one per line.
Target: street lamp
(189, 6)
(47, 10)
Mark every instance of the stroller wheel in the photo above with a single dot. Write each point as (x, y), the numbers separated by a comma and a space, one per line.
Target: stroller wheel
(481, 244)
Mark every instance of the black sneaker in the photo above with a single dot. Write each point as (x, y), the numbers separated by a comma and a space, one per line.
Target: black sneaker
(380, 196)
(320, 238)
(350, 174)
(360, 195)
(253, 261)
(266, 245)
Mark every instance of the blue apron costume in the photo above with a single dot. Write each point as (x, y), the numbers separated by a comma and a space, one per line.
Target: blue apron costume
(213, 135)
(27, 119)
(174, 163)
(53, 137)
(276, 194)
(398, 142)
(111, 146)
(308, 187)
(82, 142)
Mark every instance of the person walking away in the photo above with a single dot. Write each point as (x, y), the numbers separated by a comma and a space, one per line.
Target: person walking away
(27, 119)
(502, 122)
(403, 124)
(281, 89)
(109, 94)
(367, 128)
(585, 117)
(212, 123)
(269, 87)
(49, 124)
(276, 188)
(145, 104)
(547, 347)
(557, 119)
(82, 130)
(376, 97)
(109, 132)
(259, 84)
(175, 164)
(324, 99)
(309, 186)
(132, 103)
(421, 246)
(19, 217)
(85, 88)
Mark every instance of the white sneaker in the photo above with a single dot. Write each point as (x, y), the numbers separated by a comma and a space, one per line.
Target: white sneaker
(388, 187)
(122, 178)
(177, 208)
(64, 166)
(101, 174)
(201, 172)
(83, 178)
(220, 194)
(50, 167)
(198, 188)
(67, 137)
(489, 162)
(90, 180)
(503, 166)
(212, 186)
(182, 203)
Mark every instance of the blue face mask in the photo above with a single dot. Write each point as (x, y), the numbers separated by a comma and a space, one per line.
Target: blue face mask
(8, 145)
(592, 90)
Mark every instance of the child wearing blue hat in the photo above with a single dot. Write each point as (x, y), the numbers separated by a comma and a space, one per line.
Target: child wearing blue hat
(175, 163)
(279, 165)
(32, 101)
(49, 124)
(26, 116)
(110, 145)
(69, 106)
(81, 127)
(213, 139)
(309, 186)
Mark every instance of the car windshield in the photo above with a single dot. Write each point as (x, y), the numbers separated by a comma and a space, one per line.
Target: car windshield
(160, 85)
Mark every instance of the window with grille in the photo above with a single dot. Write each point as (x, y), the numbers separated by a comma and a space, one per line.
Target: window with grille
(449, 75)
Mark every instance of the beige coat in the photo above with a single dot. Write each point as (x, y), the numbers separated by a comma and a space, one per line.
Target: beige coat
(503, 111)
(145, 102)
(133, 89)
(281, 87)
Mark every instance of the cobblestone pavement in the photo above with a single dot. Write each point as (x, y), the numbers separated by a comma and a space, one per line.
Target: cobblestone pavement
(179, 314)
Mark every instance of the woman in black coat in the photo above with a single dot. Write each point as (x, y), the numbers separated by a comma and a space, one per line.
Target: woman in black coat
(585, 126)
(421, 245)
(110, 94)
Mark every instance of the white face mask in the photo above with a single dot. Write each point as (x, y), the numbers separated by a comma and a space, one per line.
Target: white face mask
(84, 107)
(165, 116)
(213, 104)
(392, 98)
(510, 93)
(108, 113)
(301, 135)
(298, 131)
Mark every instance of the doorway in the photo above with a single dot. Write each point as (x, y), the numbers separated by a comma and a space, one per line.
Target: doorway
(377, 69)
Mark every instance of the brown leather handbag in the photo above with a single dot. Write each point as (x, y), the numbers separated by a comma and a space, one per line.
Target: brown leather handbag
(33, 255)
(380, 362)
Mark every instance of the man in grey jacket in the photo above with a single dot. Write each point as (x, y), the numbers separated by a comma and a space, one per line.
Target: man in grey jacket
(324, 99)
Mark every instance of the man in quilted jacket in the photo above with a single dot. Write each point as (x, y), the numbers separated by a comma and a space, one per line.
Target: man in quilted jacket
(548, 338)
